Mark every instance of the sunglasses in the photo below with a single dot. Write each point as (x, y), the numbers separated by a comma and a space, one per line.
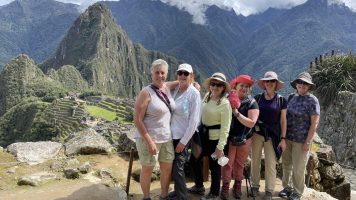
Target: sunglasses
(180, 73)
(216, 84)
(301, 82)
(270, 81)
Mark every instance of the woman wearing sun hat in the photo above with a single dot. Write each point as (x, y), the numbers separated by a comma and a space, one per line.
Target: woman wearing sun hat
(303, 114)
(270, 133)
(239, 142)
(216, 116)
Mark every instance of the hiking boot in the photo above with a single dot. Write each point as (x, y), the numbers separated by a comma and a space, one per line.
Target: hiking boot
(285, 192)
(210, 197)
(268, 196)
(172, 195)
(236, 190)
(224, 195)
(254, 191)
(294, 196)
(196, 190)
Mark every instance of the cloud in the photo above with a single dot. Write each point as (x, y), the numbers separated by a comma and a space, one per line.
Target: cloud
(197, 8)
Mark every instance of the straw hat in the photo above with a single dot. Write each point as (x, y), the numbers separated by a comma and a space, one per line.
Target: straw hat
(219, 77)
(306, 77)
(270, 75)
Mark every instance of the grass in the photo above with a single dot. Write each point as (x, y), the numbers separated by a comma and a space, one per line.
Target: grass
(101, 112)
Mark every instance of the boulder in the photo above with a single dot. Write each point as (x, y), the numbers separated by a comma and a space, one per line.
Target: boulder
(325, 153)
(71, 173)
(36, 179)
(34, 152)
(342, 191)
(87, 142)
(85, 168)
(333, 172)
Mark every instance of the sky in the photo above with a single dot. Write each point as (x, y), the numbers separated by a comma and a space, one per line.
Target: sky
(197, 7)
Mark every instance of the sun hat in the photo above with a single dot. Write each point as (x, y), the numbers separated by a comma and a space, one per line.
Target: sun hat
(270, 75)
(219, 77)
(185, 67)
(242, 79)
(306, 77)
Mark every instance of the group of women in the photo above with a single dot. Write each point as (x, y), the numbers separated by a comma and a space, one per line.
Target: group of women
(232, 123)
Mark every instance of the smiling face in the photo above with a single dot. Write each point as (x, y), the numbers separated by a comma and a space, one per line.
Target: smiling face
(184, 77)
(216, 87)
(242, 89)
(159, 75)
(270, 84)
(302, 87)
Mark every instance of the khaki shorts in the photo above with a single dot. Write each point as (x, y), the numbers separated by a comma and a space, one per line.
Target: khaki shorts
(165, 152)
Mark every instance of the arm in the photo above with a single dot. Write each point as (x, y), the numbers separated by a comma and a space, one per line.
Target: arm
(172, 84)
(194, 118)
(225, 113)
(283, 122)
(251, 118)
(140, 109)
(314, 121)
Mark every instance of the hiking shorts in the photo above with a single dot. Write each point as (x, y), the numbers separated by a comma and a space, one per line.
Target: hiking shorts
(165, 152)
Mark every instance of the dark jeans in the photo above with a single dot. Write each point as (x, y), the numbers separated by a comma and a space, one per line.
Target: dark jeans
(178, 174)
(215, 169)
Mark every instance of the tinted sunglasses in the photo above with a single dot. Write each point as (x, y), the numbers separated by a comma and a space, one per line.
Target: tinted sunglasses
(301, 82)
(179, 73)
(217, 84)
(270, 81)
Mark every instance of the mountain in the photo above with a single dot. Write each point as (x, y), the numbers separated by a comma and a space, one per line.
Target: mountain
(105, 56)
(33, 27)
(161, 27)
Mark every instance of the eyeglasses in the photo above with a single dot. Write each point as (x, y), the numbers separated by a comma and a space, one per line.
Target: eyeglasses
(180, 73)
(301, 82)
(216, 84)
(270, 81)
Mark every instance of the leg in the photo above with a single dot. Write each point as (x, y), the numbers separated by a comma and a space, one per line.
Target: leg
(300, 159)
(270, 166)
(257, 145)
(145, 180)
(178, 175)
(166, 171)
(215, 170)
(287, 164)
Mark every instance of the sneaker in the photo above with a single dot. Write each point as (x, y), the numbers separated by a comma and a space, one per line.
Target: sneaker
(224, 195)
(196, 190)
(267, 196)
(210, 197)
(286, 192)
(294, 196)
(236, 190)
(149, 198)
(254, 191)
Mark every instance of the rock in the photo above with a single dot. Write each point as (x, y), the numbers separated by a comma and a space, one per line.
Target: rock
(12, 170)
(342, 191)
(326, 153)
(34, 152)
(333, 172)
(85, 168)
(72, 162)
(310, 194)
(57, 166)
(36, 179)
(104, 173)
(1, 149)
(126, 140)
(71, 173)
(87, 142)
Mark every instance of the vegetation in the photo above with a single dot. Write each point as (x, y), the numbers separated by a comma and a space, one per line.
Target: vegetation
(334, 74)
(101, 112)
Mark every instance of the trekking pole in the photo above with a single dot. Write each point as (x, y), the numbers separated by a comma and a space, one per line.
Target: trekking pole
(129, 171)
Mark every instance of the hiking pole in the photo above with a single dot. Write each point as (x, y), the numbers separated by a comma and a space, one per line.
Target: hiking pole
(129, 171)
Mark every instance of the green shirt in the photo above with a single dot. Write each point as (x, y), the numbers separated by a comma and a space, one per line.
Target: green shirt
(213, 114)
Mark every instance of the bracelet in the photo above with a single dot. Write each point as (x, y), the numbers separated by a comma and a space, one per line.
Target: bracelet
(283, 138)
(237, 114)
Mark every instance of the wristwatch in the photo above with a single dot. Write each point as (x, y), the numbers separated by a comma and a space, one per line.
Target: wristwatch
(237, 115)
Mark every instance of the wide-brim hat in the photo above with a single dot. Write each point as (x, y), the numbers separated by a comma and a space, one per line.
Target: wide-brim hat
(219, 77)
(306, 77)
(242, 79)
(270, 75)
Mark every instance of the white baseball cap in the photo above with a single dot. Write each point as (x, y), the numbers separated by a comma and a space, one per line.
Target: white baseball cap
(185, 67)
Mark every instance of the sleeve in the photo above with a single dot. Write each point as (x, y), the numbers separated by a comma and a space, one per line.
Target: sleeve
(226, 115)
(315, 107)
(194, 117)
(254, 105)
(284, 103)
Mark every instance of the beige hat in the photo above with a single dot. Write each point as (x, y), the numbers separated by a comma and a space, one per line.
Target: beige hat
(219, 77)
(306, 77)
(270, 75)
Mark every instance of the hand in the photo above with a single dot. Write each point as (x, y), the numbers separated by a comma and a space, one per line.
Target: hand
(282, 145)
(219, 153)
(306, 146)
(152, 148)
(180, 147)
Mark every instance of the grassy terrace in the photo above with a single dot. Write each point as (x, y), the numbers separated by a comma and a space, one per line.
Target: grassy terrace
(102, 113)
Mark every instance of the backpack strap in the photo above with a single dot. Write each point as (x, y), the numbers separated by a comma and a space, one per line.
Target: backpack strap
(290, 97)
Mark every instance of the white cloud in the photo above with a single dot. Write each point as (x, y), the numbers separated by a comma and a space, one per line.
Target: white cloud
(197, 7)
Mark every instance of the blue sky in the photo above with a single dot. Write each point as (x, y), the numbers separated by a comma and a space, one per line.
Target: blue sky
(198, 7)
